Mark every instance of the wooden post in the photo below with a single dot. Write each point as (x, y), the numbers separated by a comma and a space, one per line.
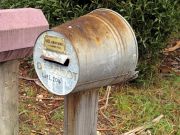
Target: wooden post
(80, 113)
(9, 98)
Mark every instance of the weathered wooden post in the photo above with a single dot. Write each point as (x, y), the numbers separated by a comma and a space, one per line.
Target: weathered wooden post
(76, 58)
(81, 110)
(19, 29)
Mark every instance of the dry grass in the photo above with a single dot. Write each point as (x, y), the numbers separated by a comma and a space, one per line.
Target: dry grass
(41, 113)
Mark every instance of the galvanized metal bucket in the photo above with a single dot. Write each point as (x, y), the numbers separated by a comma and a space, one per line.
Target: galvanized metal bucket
(94, 50)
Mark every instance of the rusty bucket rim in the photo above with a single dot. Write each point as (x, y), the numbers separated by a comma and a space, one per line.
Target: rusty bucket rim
(127, 23)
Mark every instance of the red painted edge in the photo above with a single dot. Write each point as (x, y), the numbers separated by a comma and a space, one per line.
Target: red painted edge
(12, 55)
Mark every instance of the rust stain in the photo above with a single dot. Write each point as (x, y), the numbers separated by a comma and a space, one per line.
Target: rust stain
(117, 24)
(84, 30)
(98, 40)
(110, 17)
(95, 28)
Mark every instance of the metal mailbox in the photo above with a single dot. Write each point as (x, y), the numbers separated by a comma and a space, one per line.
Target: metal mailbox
(94, 50)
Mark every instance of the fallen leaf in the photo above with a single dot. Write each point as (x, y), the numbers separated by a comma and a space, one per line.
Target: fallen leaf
(171, 49)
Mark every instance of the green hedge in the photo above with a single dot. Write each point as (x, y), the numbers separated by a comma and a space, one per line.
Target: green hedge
(152, 20)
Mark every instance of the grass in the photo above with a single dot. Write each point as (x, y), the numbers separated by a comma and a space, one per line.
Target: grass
(137, 106)
(128, 108)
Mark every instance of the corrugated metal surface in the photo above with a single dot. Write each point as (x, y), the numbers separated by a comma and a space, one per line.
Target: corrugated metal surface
(105, 48)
